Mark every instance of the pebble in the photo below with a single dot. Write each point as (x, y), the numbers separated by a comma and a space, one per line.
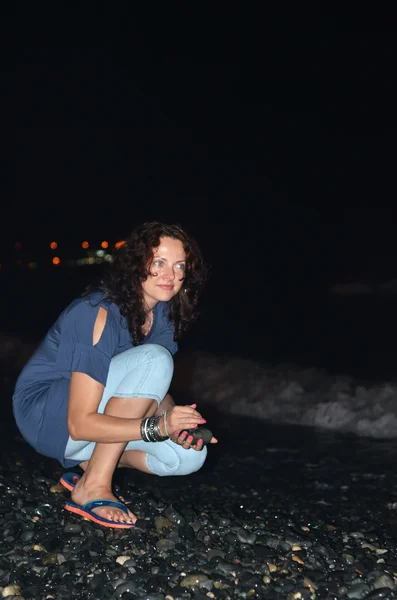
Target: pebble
(11, 590)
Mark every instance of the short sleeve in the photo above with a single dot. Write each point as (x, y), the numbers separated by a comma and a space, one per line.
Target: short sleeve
(76, 352)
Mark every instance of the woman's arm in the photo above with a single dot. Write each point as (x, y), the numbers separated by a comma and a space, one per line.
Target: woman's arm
(85, 423)
(167, 404)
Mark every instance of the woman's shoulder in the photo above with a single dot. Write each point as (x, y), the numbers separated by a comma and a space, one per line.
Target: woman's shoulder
(96, 297)
(81, 314)
(90, 302)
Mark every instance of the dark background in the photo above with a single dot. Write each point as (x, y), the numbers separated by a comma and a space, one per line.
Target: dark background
(275, 146)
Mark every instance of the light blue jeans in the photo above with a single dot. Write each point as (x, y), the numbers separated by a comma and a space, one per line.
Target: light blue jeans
(143, 372)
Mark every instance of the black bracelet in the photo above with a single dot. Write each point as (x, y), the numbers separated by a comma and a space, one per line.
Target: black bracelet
(150, 430)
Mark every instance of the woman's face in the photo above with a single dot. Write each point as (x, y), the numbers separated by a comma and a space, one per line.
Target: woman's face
(167, 271)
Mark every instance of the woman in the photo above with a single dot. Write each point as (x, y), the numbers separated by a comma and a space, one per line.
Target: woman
(95, 393)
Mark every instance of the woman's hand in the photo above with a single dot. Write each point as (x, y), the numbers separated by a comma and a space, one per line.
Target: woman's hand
(185, 440)
(180, 418)
(183, 417)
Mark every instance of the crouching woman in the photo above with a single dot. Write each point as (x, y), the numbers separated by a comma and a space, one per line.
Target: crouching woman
(96, 391)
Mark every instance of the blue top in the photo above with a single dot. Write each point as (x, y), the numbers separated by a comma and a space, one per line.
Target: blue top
(68, 347)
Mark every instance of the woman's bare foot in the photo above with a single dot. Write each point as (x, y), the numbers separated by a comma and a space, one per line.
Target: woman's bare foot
(85, 491)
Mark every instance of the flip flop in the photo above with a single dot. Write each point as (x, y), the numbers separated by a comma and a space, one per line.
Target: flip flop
(69, 480)
(86, 511)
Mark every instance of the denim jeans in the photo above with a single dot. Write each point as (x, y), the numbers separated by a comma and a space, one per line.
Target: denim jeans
(143, 372)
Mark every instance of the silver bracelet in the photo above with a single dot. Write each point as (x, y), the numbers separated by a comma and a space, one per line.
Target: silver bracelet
(147, 430)
(157, 429)
(165, 423)
(161, 437)
(150, 430)
(144, 434)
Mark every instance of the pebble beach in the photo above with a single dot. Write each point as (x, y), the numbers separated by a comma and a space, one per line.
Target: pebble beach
(276, 512)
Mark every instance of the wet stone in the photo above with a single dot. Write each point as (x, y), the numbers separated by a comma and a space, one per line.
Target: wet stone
(245, 537)
(381, 594)
(174, 516)
(72, 528)
(358, 591)
(186, 532)
(27, 535)
(165, 545)
(162, 523)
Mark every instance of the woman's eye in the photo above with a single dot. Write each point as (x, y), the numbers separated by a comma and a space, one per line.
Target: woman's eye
(158, 263)
(181, 266)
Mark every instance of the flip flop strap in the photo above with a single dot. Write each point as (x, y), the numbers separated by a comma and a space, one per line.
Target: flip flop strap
(71, 477)
(109, 503)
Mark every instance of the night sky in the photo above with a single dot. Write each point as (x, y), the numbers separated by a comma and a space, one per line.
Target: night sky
(275, 147)
(273, 143)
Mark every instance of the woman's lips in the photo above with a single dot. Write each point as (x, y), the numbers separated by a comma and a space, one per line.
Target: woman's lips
(166, 287)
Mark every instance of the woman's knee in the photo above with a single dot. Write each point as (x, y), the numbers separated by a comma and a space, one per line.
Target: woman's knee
(142, 372)
(193, 461)
(160, 355)
(156, 362)
(175, 460)
(136, 357)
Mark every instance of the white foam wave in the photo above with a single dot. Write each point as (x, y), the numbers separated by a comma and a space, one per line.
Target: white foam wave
(292, 395)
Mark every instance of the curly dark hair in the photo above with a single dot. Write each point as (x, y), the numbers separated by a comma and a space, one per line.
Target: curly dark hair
(122, 283)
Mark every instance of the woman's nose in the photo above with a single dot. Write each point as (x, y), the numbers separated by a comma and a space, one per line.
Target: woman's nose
(169, 273)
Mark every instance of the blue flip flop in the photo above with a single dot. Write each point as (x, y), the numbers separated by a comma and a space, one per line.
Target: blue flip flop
(69, 480)
(86, 511)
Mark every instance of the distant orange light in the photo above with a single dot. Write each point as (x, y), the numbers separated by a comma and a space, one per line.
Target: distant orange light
(104, 244)
(56, 260)
(85, 245)
(118, 244)
(53, 245)
(18, 246)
